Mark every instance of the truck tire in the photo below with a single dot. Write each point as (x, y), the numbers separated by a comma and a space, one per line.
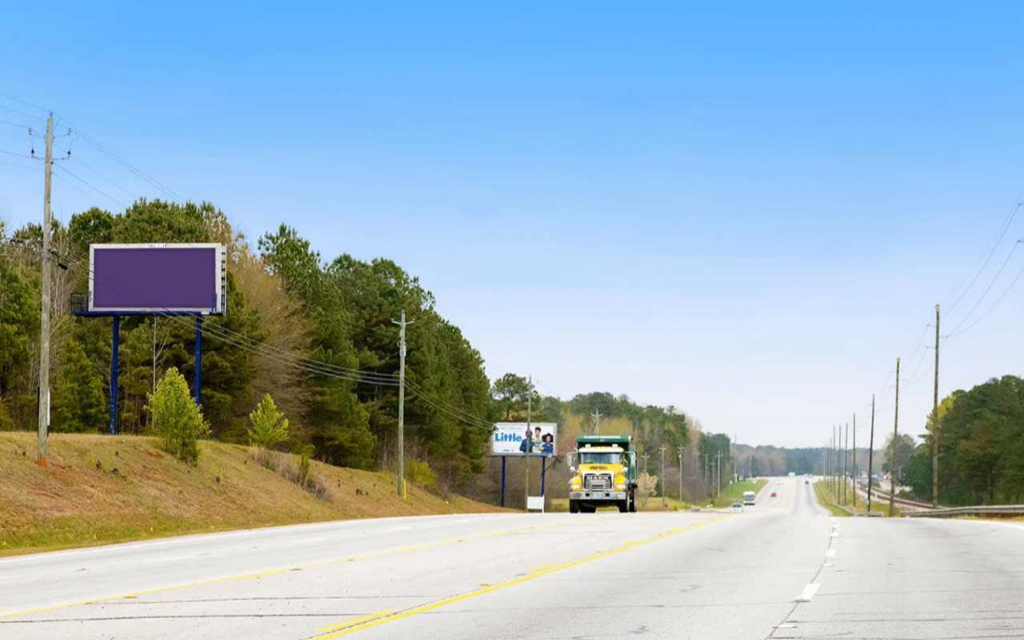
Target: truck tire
(574, 506)
(632, 502)
(624, 506)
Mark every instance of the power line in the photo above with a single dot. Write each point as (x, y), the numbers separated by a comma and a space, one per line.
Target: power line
(220, 332)
(987, 289)
(19, 166)
(91, 186)
(17, 111)
(999, 239)
(24, 102)
(995, 304)
(127, 165)
(320, 367)
(78, 161)
(16, 124)
(18, 155)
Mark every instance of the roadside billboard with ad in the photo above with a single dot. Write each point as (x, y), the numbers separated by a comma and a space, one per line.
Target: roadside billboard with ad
(509, 439)
(157, 278)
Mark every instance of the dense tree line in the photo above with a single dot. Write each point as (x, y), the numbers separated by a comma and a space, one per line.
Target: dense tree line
(651, 426)
(981, 446)
(297, 326)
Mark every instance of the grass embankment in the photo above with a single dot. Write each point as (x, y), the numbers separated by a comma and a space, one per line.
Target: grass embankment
(734, 492)
(102, 489)
(839, 507)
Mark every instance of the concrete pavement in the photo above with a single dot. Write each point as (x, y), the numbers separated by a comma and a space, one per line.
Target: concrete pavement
(781, 569)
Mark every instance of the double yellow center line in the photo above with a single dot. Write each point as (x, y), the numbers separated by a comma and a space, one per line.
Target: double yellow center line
(383, 617)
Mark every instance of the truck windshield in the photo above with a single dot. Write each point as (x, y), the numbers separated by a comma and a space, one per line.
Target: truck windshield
(600, 458)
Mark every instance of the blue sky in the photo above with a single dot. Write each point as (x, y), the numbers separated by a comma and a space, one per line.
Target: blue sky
(747, 213)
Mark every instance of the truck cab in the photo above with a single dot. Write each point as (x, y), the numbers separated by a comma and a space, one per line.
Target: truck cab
(604, 474)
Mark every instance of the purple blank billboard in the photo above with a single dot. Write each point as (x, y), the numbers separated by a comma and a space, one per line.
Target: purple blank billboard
(147, 278)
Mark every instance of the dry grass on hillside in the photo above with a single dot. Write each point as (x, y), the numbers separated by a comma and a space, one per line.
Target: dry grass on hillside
(100, 489)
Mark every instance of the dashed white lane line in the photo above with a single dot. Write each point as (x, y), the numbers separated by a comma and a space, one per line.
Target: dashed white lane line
(831, 553)
(168, 559)
(808, 593)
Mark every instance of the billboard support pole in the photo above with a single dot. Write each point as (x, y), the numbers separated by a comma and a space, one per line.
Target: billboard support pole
(115, 342)
(503, 459)
(198, 378)
(543, 474)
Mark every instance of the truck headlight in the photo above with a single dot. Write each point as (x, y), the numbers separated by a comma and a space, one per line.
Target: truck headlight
(620, 486)
(575, 483)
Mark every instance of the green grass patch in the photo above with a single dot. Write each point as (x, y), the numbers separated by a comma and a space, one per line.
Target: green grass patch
(827, 500)
(838, 507)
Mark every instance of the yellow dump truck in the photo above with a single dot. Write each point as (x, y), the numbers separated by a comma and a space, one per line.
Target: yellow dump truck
(604, 474)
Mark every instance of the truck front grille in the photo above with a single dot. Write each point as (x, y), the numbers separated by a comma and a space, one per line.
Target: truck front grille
(597, 482)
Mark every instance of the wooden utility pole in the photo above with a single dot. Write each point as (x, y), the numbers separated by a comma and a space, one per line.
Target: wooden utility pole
(935, 418)
(597, 421)
(680, 451)
(871, 450)
(895, 434)
(854, 467)
(402, 324)
(718, 475)
(835, 465)
(44, 324)
(663, 448)
(844, 443)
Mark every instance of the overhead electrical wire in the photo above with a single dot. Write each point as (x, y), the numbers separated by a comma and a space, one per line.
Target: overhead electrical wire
(90, 185)
(995, 245)
(223, 333)
(985, 293)
(318, 367)
(995, 304)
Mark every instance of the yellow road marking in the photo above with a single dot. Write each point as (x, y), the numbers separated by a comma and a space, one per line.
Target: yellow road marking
(355, 621)
(279, 570)
(539, 573)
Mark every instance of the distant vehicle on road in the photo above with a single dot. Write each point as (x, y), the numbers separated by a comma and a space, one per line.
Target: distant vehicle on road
(749, 497)
(807, 482)
(737, 507)
(774, 495)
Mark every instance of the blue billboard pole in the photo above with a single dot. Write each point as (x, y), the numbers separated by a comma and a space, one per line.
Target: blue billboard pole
(115, 346)
(503, 458)
(197, 382)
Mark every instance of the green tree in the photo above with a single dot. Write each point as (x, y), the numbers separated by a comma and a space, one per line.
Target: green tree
(510, 393)
(94, 226)
(19, 324)
(78, 404)
(177, 418)
(268, 427)
(897, 454)
(337, 422)
(919, 472)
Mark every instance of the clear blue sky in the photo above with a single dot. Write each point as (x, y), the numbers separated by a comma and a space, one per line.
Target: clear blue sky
(746, 213)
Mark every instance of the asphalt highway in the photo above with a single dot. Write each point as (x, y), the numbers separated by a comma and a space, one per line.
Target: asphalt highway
(781, 569)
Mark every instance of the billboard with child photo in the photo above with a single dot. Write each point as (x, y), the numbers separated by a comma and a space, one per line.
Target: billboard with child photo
(512, 439)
